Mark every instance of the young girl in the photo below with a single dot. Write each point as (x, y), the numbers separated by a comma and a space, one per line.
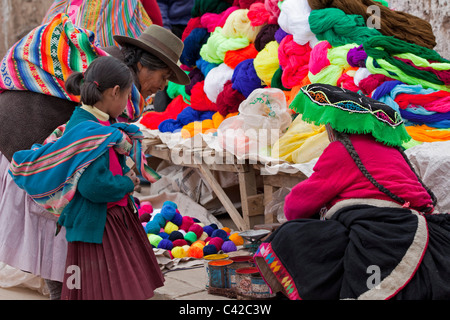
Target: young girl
(109, 255)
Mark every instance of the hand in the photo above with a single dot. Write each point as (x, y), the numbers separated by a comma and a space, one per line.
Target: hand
(132, 175)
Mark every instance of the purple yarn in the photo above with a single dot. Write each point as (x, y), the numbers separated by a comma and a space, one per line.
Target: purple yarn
(265, 35)
(245, 79)
(356, 57)
(177, 219)
(280, 34)
(195, 75)
(228, 246)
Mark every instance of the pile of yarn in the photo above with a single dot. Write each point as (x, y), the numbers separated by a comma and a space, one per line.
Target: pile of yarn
(234, 47)
(185, 236)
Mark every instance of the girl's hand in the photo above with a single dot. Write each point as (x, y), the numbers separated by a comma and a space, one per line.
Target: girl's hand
(132, 175)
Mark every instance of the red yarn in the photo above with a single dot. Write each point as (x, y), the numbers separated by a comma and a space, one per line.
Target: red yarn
(234, 57)
(245, 4)
(258, 14)
(347, 82)
(369, 84)
(197, 229)
(152, 119)
(199, 100)
(438, 101)
(191, 25)
(229, 99)
(179, 243)
(186, 223)
(217, 242)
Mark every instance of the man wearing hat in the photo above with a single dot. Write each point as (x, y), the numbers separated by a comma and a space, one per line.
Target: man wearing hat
(27, 231)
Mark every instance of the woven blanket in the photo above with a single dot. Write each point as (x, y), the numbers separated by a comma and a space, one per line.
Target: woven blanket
(43, 59)
(104, 17)
(49, 173)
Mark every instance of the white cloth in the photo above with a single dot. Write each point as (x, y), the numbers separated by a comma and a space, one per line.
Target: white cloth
(27, 232)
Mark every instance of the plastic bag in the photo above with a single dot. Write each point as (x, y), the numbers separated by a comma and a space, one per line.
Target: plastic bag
(263, 118)
(301, 143)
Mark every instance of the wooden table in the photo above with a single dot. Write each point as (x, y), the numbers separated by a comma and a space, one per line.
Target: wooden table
(207, 160)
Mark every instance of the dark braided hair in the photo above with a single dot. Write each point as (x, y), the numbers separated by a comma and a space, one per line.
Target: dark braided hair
(345, 140)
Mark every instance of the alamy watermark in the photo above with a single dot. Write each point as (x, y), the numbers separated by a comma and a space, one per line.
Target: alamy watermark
(374, 21)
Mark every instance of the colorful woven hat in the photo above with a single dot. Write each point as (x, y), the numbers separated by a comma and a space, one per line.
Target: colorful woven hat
(350, 112)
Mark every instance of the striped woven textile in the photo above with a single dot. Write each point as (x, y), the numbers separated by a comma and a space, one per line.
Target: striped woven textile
(49, 173)
(43, 59)
(104, 17)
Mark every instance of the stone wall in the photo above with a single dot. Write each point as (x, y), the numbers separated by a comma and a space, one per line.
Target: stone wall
(437, 12)
(18, 17)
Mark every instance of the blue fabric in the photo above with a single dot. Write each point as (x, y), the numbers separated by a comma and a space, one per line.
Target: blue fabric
(175, 11)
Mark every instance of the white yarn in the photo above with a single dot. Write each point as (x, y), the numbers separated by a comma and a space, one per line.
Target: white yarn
(215, 80)
(293, 19)
(361, 74)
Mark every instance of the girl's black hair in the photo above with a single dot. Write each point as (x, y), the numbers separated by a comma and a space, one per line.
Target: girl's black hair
(103, 73)
(345, 140)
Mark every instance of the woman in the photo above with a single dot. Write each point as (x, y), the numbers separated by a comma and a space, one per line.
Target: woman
(379, 237)
(30, 114)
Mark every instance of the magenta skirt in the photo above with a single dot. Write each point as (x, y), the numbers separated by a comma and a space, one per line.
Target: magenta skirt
(122, 267)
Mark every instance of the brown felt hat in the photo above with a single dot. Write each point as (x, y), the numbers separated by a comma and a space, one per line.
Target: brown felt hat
(163, 44)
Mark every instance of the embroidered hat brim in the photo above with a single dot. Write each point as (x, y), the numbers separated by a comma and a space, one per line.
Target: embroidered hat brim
(350, 112)
(163, 44)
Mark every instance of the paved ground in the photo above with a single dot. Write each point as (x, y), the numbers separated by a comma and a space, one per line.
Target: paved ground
(186, 284)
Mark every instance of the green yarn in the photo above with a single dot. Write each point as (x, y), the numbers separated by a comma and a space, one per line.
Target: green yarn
(276, 80)
(349, 122)
(339, 28)
(383, 2)
(212, 6)
(175, 89)
(214, 49)
(382, 50)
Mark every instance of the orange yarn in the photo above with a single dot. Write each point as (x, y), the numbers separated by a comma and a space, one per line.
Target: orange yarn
(234, 57)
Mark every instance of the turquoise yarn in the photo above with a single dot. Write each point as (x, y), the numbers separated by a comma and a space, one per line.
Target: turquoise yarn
(152, 227)
(159, 219)
(170, 203)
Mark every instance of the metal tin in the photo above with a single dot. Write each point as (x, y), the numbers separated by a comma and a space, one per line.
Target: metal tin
(218, 274)
(239, 262)
(209, 258)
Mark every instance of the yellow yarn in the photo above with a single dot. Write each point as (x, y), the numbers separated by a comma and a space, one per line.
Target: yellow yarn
(266, 62)
(238, 25)
(179, 252)
(170, 227)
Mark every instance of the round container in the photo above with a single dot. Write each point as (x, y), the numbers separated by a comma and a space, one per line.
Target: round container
(209, 258)
(260, 289)
(238, 262)
(218, 274)
(244, 281)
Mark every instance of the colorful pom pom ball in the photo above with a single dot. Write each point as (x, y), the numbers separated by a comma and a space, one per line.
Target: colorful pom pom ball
(165, 244)
(209, 249)
(177, 219)
(217, 242)
(220, 234)
(229, 246)
(236, 238)
(174, 235)
(170, 203)
(179, 243)
(152, 227)
(190, 237)
(198, 230)
(154, 239)
(195, 252)
(208, 229)
(178, 252)
(145, 217)
(187, 222)
(168, 212)
(159, 218)
(170, 227)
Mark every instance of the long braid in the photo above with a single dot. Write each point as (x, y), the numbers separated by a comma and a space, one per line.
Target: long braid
(345, 140)
(432, 195)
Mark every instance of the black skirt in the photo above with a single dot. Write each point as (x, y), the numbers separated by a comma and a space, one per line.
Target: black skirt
(361, 252)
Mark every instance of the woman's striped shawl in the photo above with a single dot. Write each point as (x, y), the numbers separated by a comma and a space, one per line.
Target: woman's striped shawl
(49, 173)
(104, 17)
(43, 59)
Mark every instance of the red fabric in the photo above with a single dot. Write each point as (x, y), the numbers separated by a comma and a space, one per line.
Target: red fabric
(192, 24)
(153, 11)
(336, 177)
(116, 169)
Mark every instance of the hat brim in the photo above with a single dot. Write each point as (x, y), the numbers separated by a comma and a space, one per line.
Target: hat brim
(178, 76)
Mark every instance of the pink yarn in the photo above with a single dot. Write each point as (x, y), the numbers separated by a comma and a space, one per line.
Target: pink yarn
(197, 229)
(347, 82)
(319, 58)
(217, 242)
(273, 10)
(245, 4)
(186, 223)
(211, 21)
(294, 61)
(258, 15)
